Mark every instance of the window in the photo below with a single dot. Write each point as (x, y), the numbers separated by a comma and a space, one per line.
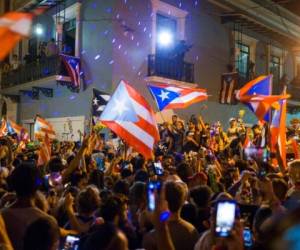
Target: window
(167, 15)
(69, 36)
(166, 28)
(275, 68)
(68, 32)
(242, 59)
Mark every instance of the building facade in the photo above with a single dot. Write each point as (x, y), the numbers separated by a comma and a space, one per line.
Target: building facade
(120, 39)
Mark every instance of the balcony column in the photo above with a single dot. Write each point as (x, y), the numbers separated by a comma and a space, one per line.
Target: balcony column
(232, 50)
(59, 32)
(296, 60)
(268, 58)
(78, 30)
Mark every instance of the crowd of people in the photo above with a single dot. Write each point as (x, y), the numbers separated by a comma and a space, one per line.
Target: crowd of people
(100, 194)
(44, 50)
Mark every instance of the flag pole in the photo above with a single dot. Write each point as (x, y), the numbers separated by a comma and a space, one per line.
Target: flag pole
(91, 114)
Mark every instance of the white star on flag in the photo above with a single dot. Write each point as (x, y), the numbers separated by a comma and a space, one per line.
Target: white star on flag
(164, 95)
(120, 107)
(95, 101)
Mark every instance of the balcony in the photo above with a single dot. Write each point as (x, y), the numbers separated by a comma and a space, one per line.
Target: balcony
(168, 68)
(30, 72)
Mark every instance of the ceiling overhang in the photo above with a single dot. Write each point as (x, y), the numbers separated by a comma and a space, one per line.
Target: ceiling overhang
(255, 17)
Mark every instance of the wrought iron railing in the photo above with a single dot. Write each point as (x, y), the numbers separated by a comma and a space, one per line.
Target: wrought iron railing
(170, 68)
(30, 72)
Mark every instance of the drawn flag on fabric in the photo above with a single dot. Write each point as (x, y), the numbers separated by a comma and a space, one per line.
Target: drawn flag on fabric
(228, 87)
(13, 27)
(174, 97)
(45, 151)
(43, 127)
(257, 95)
(99, 101)
(69, 72)
(130, 116)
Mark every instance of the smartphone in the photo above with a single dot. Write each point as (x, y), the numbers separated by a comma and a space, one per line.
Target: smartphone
(158, 168)
(54, 179)
(247, 235)
(71, 243)
(99, 159)
(151, 188)
(124, 164)
(262, 173)
(265, 155)
(225, 217)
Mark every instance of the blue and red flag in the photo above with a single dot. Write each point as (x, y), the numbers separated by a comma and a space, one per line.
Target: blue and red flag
(70, 72)
(175, 97)
(130, 116)
(257, 95)
(278, 131)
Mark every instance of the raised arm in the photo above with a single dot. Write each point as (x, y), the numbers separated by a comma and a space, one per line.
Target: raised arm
(76, 161)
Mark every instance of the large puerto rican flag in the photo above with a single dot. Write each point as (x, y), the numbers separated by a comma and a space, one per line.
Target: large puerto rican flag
(176, 97)
(130, 116)
(257, 95)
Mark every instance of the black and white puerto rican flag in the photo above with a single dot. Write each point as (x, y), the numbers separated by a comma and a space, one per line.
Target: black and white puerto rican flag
(99, 101)
(229, 83)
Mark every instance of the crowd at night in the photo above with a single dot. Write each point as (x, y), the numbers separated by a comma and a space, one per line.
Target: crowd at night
(149, 125)
(98, 194)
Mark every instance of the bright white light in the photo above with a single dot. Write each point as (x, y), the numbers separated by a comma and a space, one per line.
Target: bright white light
(39, 30)
(165, 38)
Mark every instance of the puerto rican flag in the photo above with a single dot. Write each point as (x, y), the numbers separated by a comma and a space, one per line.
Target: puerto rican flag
(278, 131)
(257, 95)
(14, 128)
(174, 97)
(70, 72)
(43, 128)
(229, 83)
(130, 116)
(13, 27)
(45, 151)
